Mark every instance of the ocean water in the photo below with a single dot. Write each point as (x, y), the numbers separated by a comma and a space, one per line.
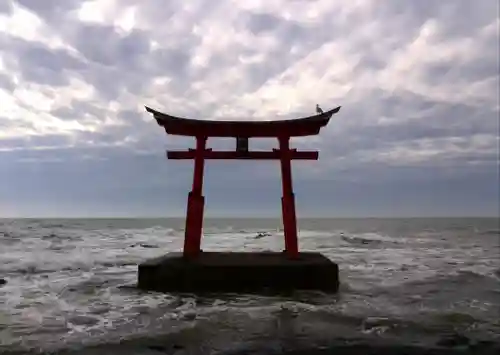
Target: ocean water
(432, 283)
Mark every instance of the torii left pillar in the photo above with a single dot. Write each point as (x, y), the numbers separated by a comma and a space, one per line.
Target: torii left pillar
(196, 203)
(288, 200)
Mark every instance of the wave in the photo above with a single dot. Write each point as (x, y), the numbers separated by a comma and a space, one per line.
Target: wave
(279, 328)
(372, 240)
(491, 232)
(361, 241)
(471, 274)
(32, 268)
(461, 290)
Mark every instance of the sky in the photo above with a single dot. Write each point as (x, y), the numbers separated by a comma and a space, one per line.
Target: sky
(418, 82)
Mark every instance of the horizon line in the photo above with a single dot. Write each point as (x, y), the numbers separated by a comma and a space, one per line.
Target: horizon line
(254, 217)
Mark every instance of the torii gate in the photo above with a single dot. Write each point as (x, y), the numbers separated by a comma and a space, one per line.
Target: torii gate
(283, 130)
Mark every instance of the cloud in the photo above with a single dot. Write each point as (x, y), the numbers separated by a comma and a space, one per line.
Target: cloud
(418, 82)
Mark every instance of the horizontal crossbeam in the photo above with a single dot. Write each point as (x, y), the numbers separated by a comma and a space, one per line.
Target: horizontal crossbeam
(232, 155)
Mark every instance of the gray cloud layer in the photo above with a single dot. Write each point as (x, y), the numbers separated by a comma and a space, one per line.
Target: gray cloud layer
(418, 81)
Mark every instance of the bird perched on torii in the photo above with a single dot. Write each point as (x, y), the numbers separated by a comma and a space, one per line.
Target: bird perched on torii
(319, 111)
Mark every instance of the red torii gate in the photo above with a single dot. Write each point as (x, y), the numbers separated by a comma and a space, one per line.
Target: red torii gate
(283, 130)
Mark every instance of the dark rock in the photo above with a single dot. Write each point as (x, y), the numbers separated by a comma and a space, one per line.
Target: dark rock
(157, 348)
(148, 245)
(239, 272)
(484, 345)
(262, 235)
(453, 340)
(3, 282)
(165, 349)
(143, 245)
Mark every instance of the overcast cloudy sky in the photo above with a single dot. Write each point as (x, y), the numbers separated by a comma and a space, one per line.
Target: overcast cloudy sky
(418, 82)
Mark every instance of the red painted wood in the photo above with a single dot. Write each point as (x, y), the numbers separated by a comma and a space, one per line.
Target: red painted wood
(199, 164)
(305, 126)
(196, 202)
(232, 155)
(288, 200)
(194, 225)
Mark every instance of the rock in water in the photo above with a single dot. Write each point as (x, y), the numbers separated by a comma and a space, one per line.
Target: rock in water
(3, 282)
(453, 340)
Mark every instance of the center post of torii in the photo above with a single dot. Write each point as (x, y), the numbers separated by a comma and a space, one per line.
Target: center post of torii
(195, 270)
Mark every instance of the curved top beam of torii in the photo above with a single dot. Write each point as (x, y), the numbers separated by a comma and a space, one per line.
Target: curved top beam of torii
(305, 126)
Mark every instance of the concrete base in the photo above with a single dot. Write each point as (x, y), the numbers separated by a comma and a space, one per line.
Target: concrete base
(239, 272)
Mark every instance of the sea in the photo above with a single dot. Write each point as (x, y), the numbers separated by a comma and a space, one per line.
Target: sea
(408, 286)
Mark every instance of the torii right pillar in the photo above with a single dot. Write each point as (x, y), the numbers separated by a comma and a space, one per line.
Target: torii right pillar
(288, 200)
